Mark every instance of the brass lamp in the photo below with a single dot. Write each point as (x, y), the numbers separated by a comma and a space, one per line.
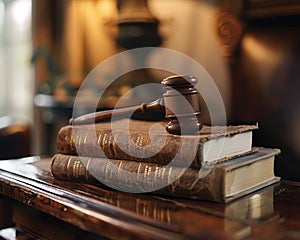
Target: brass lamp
(137, 26)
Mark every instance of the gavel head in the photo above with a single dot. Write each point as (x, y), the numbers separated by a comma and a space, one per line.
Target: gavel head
(182, 105)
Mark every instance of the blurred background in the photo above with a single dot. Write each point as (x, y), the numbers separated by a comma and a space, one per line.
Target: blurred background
(250, 48)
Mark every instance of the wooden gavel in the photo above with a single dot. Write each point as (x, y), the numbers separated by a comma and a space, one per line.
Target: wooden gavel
(180, 104)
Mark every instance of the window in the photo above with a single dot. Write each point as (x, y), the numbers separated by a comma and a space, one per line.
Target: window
(16, 76)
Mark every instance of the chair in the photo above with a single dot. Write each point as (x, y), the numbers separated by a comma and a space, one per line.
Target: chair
(14, 139)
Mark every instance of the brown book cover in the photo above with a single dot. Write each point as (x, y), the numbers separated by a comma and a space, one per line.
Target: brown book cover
(148, 141)
(223, 182)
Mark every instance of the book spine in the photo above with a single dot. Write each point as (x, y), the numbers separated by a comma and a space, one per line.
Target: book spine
(130, 175)
(134, 147)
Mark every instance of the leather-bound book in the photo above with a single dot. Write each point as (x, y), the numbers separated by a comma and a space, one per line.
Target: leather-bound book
(221, 183)
(148, 141)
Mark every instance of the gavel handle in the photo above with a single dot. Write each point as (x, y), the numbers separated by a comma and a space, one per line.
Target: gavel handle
(95, 117)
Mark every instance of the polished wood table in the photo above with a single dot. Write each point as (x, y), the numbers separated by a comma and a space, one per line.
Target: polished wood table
(51, 209)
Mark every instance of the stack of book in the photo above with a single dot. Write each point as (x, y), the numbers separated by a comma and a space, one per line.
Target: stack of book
(220, 164)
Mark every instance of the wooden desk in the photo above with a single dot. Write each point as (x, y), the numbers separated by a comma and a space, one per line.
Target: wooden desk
(50, 209)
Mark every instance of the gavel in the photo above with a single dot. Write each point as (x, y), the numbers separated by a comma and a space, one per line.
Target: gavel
(180, 104)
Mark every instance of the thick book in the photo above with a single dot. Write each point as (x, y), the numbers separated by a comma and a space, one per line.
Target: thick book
(224, 181)
(148, 141)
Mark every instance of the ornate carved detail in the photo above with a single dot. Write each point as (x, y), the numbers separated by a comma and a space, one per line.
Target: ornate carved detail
(229, 30)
